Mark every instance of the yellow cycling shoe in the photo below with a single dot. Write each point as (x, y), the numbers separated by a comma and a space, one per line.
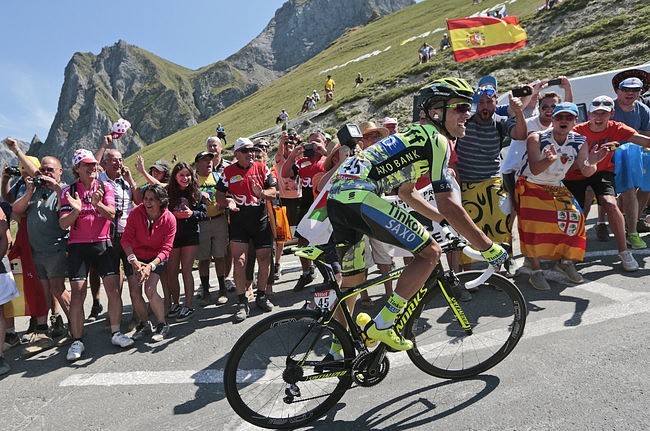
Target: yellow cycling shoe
(389, 337)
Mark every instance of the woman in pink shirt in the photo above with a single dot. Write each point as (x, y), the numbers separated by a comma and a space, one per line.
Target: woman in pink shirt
(87, 209)
(147, 241)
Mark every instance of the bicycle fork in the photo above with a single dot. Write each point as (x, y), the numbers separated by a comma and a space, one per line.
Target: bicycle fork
(451, 280)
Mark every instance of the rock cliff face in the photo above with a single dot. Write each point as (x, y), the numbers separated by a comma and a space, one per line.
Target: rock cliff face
(129, 82)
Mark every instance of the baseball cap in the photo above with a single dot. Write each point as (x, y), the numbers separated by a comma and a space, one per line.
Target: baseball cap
(34, 160)
(389, 120)
(203, 154)
(567, 107)
(161, 165)
(369, 127)
(604, 103)
(632, 82)
(84, 156)
(242, 143)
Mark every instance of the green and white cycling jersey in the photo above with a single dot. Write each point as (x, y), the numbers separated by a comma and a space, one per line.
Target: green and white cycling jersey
(397, 159)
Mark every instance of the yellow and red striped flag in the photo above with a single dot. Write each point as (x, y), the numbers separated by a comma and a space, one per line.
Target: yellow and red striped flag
(484, 36)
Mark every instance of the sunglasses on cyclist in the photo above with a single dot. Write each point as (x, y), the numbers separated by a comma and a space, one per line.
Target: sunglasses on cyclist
(602, 103)
(460, 107)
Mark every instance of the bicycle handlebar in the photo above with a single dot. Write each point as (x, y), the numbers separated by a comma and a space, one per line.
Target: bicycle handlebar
(459, 243)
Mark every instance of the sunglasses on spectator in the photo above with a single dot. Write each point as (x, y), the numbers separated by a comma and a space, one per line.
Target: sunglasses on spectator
(47, 169)
(564, 117)
(246, 150)
(547, 107)
(488, 91)
(460, 107)
(603, 103)
(630, 90)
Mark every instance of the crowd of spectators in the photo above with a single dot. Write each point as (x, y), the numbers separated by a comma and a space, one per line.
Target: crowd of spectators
(218, 211)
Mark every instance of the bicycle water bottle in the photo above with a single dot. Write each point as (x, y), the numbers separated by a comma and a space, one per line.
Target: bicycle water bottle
(362, 320)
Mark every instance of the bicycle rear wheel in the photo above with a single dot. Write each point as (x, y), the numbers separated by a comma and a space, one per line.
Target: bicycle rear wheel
(267, 374)
(497, 315)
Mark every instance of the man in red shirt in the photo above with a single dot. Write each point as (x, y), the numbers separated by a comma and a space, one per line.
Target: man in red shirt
(599, 131)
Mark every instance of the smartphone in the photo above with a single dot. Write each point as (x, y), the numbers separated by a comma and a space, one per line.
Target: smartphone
(556, 81)
(523, 91)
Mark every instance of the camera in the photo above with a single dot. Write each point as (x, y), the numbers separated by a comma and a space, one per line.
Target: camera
(349, 135)
(292, 137)
(308, 149)
(12, 170)
(556, 81)
(38, 181)
(523, 91)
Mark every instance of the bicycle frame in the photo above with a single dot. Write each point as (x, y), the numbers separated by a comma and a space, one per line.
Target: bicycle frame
(438, 277)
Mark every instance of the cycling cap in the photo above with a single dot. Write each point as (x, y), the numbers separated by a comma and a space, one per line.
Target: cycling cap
(442, 90)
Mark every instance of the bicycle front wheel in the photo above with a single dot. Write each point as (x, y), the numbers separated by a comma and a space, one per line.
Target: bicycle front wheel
(496, 314)
(277, 374)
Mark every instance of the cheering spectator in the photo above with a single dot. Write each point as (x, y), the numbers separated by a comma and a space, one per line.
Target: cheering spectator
(600, 130)
(630, 167)
(551, 224)
(391, 124)
(213, 241)
(147, 240)
(305, 161)
(478, 164)
(186, 205)
(250, 183)
(40, 206)
(158, 172)
(87, 208)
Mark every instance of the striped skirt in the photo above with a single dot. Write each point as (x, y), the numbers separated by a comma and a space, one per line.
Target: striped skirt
(551, 223)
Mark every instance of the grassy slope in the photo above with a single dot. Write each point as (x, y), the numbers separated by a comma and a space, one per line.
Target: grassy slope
(395, 73)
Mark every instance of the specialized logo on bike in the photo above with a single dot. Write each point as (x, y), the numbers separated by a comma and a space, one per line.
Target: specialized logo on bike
(568, 222)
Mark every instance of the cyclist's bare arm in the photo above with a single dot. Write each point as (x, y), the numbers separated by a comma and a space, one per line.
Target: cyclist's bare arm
(456, 215)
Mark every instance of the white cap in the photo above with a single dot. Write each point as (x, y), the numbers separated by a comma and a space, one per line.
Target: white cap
(605, 103)
(243, 143)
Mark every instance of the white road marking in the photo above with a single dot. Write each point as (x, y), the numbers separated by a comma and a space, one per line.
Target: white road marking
(538, 328)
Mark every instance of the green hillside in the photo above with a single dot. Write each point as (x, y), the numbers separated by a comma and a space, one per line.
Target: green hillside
(577, 37)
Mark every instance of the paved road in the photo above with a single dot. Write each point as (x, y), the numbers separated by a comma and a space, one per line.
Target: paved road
(582, 364)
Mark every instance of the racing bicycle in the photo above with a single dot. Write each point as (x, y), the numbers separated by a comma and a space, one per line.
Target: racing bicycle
(280, 374)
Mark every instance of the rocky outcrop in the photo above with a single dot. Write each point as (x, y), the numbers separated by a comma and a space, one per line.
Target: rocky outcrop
(302, 29)
(159, 97)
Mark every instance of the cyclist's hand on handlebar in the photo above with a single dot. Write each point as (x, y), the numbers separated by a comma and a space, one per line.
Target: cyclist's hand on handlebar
(495, 255)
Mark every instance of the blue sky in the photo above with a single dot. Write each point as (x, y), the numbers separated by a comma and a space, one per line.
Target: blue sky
(39, 37)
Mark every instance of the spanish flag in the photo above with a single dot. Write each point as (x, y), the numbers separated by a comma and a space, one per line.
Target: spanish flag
(484, 36)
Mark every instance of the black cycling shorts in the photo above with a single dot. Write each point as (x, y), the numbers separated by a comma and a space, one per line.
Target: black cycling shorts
(602, 183)
(99, 254)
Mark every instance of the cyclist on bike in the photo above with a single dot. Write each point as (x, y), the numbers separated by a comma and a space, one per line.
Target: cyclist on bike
(395, 163)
